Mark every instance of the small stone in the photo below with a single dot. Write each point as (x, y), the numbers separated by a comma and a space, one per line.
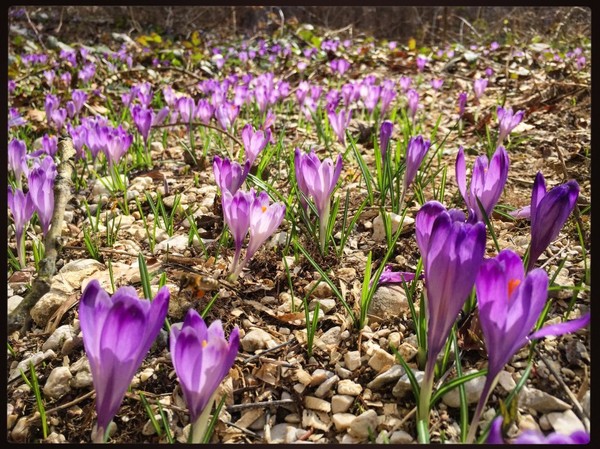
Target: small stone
(176, 243)
(349, 439)
(346, 274)
(407, 351)
(381, 360)
(349, 387)
(364, 424)
(342, 421)
(473, 390)
(506, 381)
(317, 404)
(541, 401)
(387, 377)
(292, 418)
(259, 423)
(13, 302)
(401, 437)
(82, 379)
(341, 403)
(256, 339)
(156, 147)
(279, 432)
(310, 418)
(46, 306)
(576, 353)
(20, 432)
(342, 372)
(57, 384)
(352, 360)
(388, 302)
(528, 422)
(379, 228)
(325, 305)
(57, 338)
(327, 387)
(403, 386)
(565, 422)
(544, 423)
(319, 376)
(330, 339)
(146, 374)
(34, 359)
(148, 428)
(323, 290)
(394, 339)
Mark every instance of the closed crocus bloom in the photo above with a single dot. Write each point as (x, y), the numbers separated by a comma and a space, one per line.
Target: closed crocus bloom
(254, 142)
(117, 333)
(387, 96)
(186, 108)
(462, 102)
(452, 255)
(479, 86)
(202, 358)
(415, 152)
(413, 103)
(142, 118)
(549, 212)
(58, 117)
(41, 189)
(405, 82)
(226, 114)
(487, 180)
(22, 209)
(159, 117)
(236, 213)
(79, 98)
(507, 121)
(229, 175)
(339, 123)
(204, 111)
(385, 133)
(17, 162)
(117, 145)
(50, 105)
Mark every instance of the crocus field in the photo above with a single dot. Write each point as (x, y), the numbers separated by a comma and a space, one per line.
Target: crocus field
(302, 235)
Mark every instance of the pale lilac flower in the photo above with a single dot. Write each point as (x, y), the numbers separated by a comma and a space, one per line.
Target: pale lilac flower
(41, 190)
(487, 181)
(70, 109)
(264, 220)
(229, 175)
(507, 121)
(49, 145)
(79, 97)
(50, 105)
(65, 78)
(14, 118)
(49, 75)
(479, 86)
(142, 118)
(117, 334)
(117, 145)
(58, 117)
(254, 142)
(236, 214)
(339, 123)
(226, 114)
(405, 82)
(436, 84)
(413, 103)
(87, 72)
(204, 111)
(22, 209)
(386, 96)
(421, 62)
(17, 161)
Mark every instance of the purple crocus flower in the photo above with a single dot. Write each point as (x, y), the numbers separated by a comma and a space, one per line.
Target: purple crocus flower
(229, 175)
(50, 105)
(421, 62)
(204, 111)
(70, 109)
(510, 304)
(22, 209)
(340, 66)
(142, 118)
(339, 123)
(487, 180)
(534, 437)
(549, 212)
(49, 75)
(87, 72)
(452, 253)
(394, 277)
(479, 86)
(79, 137)
(49, 145)
(226, 114)
(17, 162)
(202, 358)
(264, 219)
(145, 94)
(58, 117)
(254, 142)
(385, 133)
(186, 108)
(117, 333)
(507, 121)
(14, 118)
(436, 84)
(405, 82)
(462, 102)
(386, 96)
(117, 144)
(41, 190)
(79, 97)
(236, 213)
(415, 152)
(413, 103)
(318, 180)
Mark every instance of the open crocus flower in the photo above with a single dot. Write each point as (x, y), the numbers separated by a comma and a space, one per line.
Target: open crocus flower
(339, 122)
(317, 179)
(452, 253)
(117, 333)
(254, 142)
(202, 358)
(229, 175)
(507, 121)
(264, 219)
(535, 437)
(487, 180)
(549, 212)
(510, 304)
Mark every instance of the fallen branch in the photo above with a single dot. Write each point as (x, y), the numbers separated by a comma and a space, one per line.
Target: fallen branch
(20, 317)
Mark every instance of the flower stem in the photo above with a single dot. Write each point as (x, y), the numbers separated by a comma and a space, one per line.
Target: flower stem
(198, 430)
(323, 221)
(21, 248)
(425, 393)
(487, 389)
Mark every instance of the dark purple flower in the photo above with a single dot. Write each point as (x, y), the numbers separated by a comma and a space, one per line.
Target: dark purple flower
(395, 277)
(549, 212)
(202, 358)
(142, 118)
(462, 102)
(117, 333)
(535, 437)
(487, 180)
(385, 133)
(507, 121)
(229, 175)
(415, 152)
(70, 109)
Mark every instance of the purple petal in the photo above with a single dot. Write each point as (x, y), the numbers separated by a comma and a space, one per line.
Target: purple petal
(562, 328)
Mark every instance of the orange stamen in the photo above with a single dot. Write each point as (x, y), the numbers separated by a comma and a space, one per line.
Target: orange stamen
(204, 343)
(264, 208)
(512, 285)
